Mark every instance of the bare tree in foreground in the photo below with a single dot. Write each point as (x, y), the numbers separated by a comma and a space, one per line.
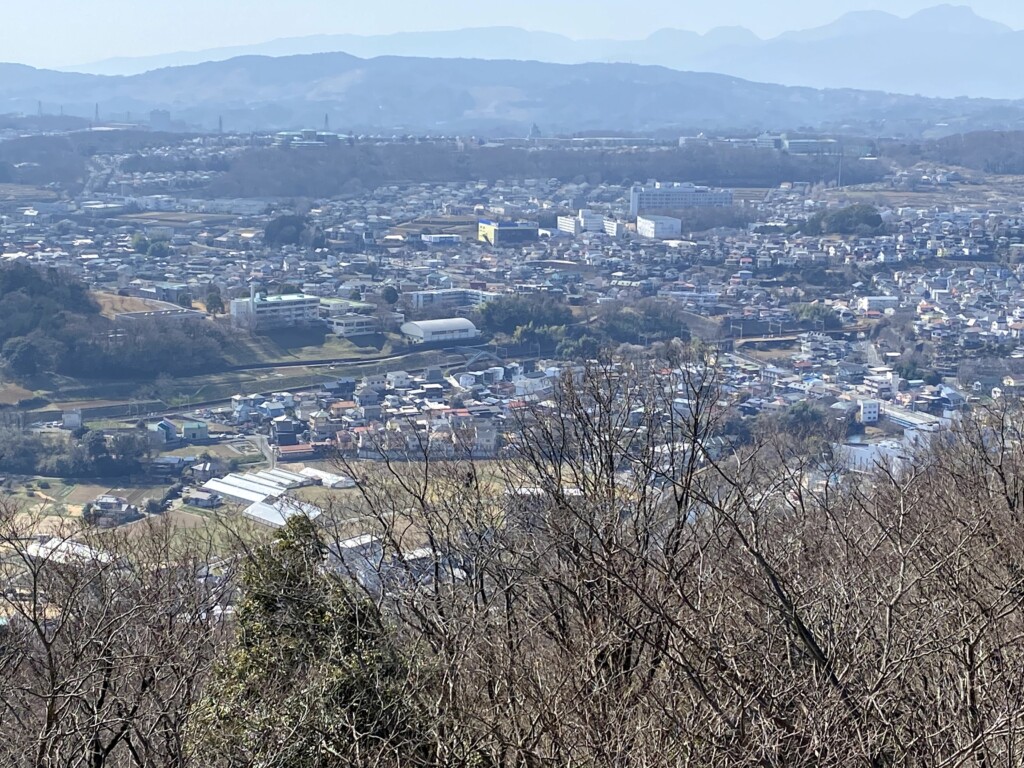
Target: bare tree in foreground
(613, 591)
(106, 643)
(616, 595)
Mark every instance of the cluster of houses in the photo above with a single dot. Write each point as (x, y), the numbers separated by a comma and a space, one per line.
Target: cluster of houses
(396, 414)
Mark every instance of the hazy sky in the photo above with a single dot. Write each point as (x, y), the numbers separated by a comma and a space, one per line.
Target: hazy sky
(66, 32)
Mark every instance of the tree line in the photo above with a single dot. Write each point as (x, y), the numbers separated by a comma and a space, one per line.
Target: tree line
(87, 453)
(547, 321)
(998, 152)
(353, 169)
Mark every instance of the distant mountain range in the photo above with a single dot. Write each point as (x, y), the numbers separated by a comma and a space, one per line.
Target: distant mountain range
(945, 51)
(404, 94)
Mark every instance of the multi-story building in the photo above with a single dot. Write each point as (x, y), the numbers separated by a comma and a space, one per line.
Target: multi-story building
(507, 233)
(870, 410)
(570, 225)
(614, 228)
(441, 239)
(674, 196)
(813, 147)
(658, 227)
(331, 306)
(448, 297)
(353, 324)
(584, 221)
(261, 313)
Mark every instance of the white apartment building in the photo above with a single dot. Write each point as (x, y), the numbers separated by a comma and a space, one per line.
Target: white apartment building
(585, 221)
(570, 225)
(870, 410)
(590, 221)
(658, 227)
(614, 228)
(448, 297)
(260, 313)
(671, 196)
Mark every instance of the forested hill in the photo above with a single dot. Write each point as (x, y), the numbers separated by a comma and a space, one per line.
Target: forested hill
(353, 169)
(484, 97)
(49, 323)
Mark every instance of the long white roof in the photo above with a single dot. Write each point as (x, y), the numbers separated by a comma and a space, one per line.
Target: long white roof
(447, 324)
(233, 491)
(278, 512)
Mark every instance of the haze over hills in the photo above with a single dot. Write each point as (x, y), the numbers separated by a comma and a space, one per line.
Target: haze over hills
(945, 51)
(486, 97)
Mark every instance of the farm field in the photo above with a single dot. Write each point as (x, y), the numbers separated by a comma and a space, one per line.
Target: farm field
(175, 218)
(222, 532)
(308, 344)
(112, 304)
(12, 394)
(26, 193)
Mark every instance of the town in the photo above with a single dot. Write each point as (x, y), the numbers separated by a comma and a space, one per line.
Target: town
(511, 385)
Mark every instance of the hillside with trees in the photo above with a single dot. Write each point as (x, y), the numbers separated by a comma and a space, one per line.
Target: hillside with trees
(863, 220)
(49, 323)
(470, 96)
(90, 454)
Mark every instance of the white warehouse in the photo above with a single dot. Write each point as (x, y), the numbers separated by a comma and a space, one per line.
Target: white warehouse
(449, 329)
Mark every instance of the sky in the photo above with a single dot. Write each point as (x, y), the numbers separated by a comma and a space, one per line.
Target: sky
(61, 33)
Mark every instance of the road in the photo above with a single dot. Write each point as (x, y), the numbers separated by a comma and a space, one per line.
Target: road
(263, 443)
(482, 351)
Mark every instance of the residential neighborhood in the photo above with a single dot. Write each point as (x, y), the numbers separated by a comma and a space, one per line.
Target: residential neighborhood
(894, 323)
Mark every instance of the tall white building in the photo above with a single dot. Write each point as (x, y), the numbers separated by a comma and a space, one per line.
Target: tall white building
(674, 196)
(570, 225)
(658, 227)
